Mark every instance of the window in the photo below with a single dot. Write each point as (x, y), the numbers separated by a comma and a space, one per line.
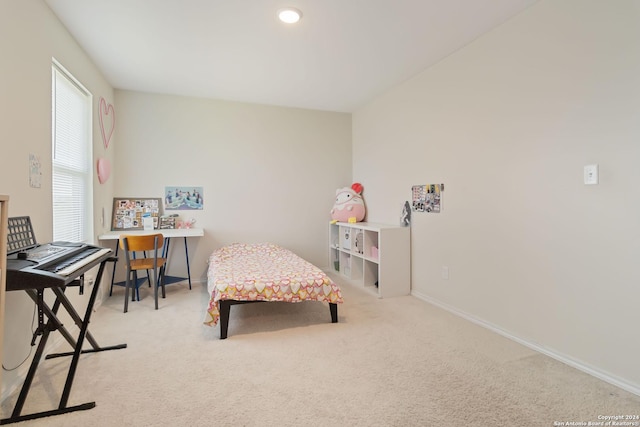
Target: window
(72, 158)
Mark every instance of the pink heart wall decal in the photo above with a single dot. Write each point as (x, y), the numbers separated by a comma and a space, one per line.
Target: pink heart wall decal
(108, 115)
(104, 170)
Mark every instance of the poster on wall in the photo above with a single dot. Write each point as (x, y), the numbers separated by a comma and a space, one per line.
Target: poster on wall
(183, 198)
(129, 213)
(426, 198)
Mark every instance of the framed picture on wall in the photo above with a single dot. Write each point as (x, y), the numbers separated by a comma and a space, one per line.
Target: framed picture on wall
(129, 211)
(183, 198)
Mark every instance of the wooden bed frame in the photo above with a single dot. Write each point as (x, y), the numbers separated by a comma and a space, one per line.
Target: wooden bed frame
(225, 309)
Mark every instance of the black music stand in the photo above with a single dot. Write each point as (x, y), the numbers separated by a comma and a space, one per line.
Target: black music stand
(53, 324)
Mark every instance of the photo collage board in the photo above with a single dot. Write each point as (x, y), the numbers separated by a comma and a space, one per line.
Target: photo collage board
(426, 198)
(129, 212)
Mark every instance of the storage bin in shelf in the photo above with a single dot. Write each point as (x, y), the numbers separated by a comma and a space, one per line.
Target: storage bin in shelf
(350, 267)
(345, 238)
(373, 256)
(358, 241)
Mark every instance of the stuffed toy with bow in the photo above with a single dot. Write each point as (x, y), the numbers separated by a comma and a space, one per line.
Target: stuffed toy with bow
(349, 205)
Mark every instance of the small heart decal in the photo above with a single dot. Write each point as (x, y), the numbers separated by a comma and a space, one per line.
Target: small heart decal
(104, 170)
(107, 121)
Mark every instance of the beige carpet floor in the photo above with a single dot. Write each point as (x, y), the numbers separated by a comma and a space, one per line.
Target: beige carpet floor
(389, 362)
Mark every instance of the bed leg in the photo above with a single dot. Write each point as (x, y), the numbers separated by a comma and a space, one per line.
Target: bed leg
(333, 308)
(225, 308)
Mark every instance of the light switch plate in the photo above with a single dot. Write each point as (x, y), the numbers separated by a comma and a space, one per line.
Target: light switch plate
(591, 174)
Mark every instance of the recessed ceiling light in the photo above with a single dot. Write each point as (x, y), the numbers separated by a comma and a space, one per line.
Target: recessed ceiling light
(290, 15)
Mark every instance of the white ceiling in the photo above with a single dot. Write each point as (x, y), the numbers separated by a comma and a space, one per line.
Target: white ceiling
(341, 54)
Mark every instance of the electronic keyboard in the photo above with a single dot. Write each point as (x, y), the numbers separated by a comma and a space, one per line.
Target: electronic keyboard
(52, 264)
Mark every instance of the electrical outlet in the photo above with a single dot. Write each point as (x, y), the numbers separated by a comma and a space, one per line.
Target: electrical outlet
(445, 272)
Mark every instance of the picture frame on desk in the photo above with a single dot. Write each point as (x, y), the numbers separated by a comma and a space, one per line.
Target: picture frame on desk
(128, 212)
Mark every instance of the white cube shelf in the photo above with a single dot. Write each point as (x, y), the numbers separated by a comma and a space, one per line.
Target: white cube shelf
(374, 256)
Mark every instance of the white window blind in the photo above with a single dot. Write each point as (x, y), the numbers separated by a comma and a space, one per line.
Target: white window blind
(72, 159)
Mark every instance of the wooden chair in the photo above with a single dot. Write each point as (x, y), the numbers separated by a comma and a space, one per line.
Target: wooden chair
(132, 244)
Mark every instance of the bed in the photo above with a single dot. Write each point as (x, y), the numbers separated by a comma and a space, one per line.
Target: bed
(245, 273)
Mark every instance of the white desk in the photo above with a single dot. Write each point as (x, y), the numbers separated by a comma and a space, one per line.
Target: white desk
(168, 232)
(168, 235)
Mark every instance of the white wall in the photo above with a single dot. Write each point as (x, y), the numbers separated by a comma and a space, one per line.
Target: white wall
(268, 173)
(30, 35)
(507, 124)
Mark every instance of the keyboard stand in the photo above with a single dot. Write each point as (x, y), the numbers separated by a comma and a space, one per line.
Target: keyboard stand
(53, 323)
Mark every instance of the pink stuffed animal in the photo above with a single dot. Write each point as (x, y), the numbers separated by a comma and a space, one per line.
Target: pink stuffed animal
(349, 204)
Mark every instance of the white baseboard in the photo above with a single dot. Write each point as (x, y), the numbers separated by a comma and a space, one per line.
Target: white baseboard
(584, 367)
